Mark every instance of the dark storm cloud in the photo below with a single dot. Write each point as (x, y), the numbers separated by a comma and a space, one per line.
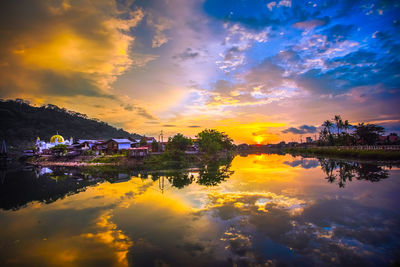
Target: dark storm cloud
(301, 129)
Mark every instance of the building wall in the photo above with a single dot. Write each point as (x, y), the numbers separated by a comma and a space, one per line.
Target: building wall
(124, 146)
(112, 145)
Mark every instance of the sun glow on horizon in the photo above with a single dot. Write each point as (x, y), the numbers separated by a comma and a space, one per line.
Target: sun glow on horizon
(258, 140)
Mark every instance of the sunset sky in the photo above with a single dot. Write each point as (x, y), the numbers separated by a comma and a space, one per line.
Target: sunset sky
(262, 71)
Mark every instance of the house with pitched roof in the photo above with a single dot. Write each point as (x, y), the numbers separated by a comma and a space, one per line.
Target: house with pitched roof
(115, 145)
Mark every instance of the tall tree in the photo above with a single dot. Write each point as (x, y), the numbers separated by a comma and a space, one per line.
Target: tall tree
(338, 123)
(368, 134)
(328, 126)
(143, 141)
(346, 125)
(212, 141)
(154, 146)
(178, 142)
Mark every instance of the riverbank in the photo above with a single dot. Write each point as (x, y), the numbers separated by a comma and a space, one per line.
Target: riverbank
(85, 161)
(347, 153)
(71, 164)
(156, 161)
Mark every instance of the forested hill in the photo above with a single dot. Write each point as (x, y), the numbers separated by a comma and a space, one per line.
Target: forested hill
(21, 124)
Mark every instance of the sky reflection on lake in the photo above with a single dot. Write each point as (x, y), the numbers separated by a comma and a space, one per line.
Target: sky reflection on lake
(269, 209)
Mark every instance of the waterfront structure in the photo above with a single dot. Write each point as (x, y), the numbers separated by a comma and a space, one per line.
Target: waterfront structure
(88, 143)
(114, 145)
(137, 152)
(54, 141)
(391, 139)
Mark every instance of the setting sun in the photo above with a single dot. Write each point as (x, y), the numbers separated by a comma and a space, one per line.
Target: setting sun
(258, 139)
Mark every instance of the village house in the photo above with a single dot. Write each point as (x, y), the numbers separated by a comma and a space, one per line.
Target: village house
(135, 142)
(138, 152)
(149, 141)
(391, 139)
(115, 145)
(88, 144)
(99, 148)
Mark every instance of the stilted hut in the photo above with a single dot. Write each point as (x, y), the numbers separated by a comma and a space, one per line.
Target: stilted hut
(138, 152)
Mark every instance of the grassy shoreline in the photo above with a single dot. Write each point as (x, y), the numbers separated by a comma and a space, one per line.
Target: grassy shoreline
(347, 153)
(150, 162)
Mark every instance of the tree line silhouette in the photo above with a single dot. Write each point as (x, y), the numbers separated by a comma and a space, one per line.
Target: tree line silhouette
(347, 134)
(21, 123)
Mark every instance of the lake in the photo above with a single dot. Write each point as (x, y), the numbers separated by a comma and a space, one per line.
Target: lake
(264, 209)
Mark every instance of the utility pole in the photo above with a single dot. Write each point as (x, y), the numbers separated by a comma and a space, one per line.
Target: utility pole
(160, 141)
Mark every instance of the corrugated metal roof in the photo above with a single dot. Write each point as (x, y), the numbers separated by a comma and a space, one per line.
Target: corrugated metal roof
(89, 141)
(122, 141)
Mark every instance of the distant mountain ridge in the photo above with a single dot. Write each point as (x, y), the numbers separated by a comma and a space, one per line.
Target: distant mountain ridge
(21, 124)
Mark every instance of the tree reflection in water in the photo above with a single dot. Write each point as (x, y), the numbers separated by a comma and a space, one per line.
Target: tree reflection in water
(210, 173)
(177, 178)
(214, 173)
(343, 171)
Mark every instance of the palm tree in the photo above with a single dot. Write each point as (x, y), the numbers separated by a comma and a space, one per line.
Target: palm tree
(328, 125)
(339, 123)
(346, 125)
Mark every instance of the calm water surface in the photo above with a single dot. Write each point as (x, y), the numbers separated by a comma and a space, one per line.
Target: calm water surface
(259, 210)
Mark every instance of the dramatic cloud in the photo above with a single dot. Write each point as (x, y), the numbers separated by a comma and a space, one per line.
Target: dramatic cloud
(239, 39)
(160, 25)
(145, 65)
(63, 48)
(301, 129)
